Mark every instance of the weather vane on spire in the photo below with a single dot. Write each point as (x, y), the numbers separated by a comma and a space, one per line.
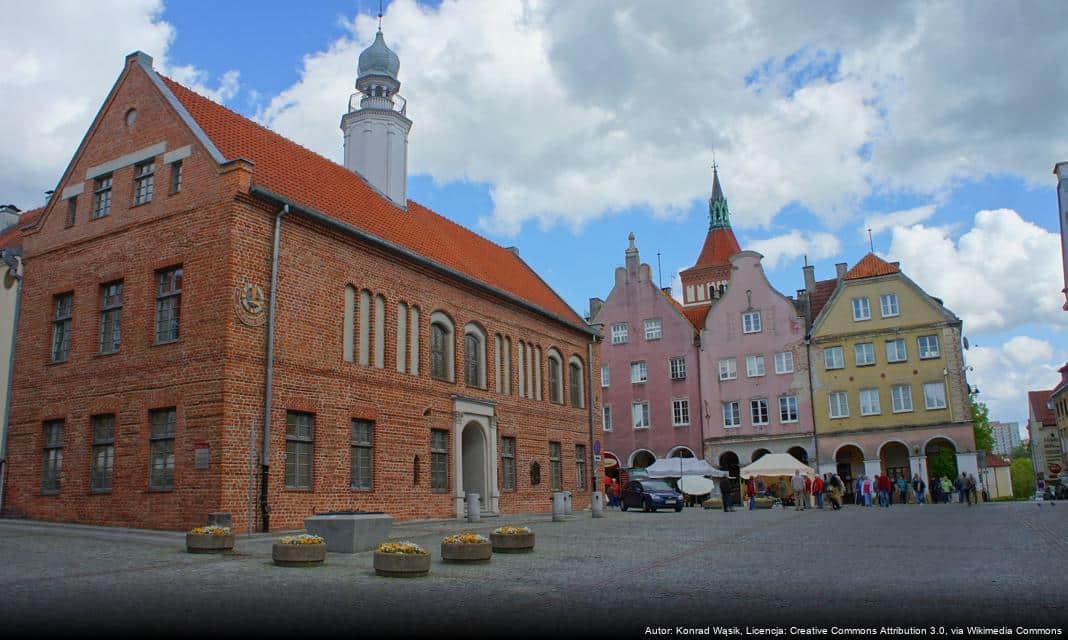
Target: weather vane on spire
(380, 15)
(714, 165)
(871, 242)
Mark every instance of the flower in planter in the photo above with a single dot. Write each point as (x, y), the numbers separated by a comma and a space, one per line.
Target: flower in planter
(409, 548)
(211, 530)
(303, 538)
(511, 531)
(465, 538)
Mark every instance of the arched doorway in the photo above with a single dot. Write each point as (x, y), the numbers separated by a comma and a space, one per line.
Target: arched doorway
(799, 453)
(849, 464)
(681, 452)
(473, 450)
(728, 461)
(642, 459)
(894, 460)
(941, 456)
(758, 454)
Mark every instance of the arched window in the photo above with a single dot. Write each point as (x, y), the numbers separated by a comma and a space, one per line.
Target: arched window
(365, 327)
(556, 378)
(474, 356)
(380, 331)
(402, 337)
(577, 382)
(441, 347)
(350, 322)
(522, 369)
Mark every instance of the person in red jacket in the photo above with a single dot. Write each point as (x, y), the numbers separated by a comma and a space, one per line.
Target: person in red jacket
(808, 491)
(884, 487)
(817, 491)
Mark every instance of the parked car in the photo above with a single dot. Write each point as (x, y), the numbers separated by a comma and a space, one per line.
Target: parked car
(650, 495)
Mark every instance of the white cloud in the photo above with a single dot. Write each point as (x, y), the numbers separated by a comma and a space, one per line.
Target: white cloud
(60, 60)
(816, 246)
(1005, 373)
(880, 222)
(1002, 273)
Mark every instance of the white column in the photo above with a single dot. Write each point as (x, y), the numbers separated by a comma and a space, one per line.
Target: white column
(458, 464)
(494, 502)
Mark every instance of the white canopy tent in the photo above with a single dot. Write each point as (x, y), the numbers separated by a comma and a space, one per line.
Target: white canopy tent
(776, 464)
(679, 467)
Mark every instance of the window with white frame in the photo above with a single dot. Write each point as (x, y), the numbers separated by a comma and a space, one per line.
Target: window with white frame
(728, 368)
(732, 414)
(784, 362)
(101, 197)
(678, 368)
(751, 322)
(144, 182)
(788, 409)
(653, 329)
(639, 372)
(864, 353)
(680, 412)
(901, 397)
(928, 347)
(619, 333)
(934, 395)
(833, 358)
(888, 305)
(839, 402)
(606, 417)
(758, 411)
(754, 366)
(861, 309)
(869, 402)
(604, 377)
(640, 415)
(895, 350)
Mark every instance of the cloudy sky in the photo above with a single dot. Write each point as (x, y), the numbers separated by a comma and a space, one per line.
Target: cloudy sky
(560, 127)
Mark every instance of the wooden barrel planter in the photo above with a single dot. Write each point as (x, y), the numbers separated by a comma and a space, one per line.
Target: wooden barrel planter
(298, 555)
(512, 542)
(762, 503)
(401, 565)
(466, 552)
(713, 503)
(209, 543)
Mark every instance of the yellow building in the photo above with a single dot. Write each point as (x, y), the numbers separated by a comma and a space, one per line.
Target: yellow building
(887, 378)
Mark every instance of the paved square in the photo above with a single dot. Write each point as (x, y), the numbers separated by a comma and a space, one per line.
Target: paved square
(996, 564)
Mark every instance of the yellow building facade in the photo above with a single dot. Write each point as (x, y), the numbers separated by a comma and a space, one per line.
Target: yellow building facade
(888, 385)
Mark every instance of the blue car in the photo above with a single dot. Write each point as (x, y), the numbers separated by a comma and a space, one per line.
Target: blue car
(650, 495)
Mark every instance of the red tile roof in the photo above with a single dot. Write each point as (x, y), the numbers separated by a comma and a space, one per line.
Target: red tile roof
(1039, 407)
(12, 236)
(696, 315)
(870, 266)
(824, 291)
(993, 460)
(720, 245)
(283, 167)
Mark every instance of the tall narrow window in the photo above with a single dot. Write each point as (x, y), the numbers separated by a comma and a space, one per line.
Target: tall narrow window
(580, 466)
(362, 454)
(380, 332)
(640, 414)
(168, 304)
(507, 360)
(439, 460)
(536, 374)
(474, 356)
(349, 324)
(163, 424)
(678, 368)
(176, 176)
(497, 364)
(574, 370)
(110, 317)
(732, 414)
(102, 196)
(556, 472)
(788, 409)
(605, 377)
(758, 410)
(62, 309)
(508, 463)
(52, 465)
(103, 453)
(144, 182)
(72, 211)
(522, 369)
(300, 443)
(413, 341)
(680, 412)
(438, 336)
(606, 417)
(556, 378)
(402, 336)
(365, 327)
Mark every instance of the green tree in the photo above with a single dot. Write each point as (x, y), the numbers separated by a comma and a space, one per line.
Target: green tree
(1023, 478)
(1021, 451)
(943, 463)
(984, 438)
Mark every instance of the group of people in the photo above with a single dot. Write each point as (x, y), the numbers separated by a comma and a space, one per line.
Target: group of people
(814, 492)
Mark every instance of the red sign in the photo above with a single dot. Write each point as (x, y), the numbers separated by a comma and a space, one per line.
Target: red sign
(1054, 468)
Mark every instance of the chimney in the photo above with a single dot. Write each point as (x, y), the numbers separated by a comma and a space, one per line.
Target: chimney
(9, 215)
(841, 269)
(514, 250)
(595, 308)
(1064, 374)
(666, 290)
(810, 278)
(631, 258)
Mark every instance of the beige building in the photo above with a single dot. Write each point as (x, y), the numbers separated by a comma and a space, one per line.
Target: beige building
(997, 476)
(889, 393)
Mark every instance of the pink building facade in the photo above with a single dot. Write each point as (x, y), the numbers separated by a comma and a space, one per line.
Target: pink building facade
(649, 370)
(754, 372)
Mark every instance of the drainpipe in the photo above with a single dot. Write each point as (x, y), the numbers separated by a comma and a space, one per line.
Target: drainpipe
(14, 264)
(812, 403)
(595, 470)
(265, 456)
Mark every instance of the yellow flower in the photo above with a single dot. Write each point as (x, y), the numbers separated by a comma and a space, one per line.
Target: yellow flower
(511, 531)
(465, 538)
(402, 547)
(211, 531)
(303, 538)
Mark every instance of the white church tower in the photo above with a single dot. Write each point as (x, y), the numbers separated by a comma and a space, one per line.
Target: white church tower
(376, 129)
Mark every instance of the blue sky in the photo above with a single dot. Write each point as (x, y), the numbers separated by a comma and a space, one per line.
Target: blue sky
(562, 127)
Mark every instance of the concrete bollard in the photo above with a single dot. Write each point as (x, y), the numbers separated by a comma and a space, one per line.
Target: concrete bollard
(474, 511)
(597, 504)
(559, 507)
(567, 502)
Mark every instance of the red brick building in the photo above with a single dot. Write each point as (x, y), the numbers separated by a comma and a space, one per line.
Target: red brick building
(413, 361)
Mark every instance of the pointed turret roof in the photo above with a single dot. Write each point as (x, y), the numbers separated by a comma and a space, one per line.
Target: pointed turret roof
(720, 243)
(719, 214)
(871, 266)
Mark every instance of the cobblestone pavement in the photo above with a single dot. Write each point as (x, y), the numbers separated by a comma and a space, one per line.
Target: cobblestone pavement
(996, 564)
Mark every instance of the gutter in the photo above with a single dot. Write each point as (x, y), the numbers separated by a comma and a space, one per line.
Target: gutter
(595, 471)
(265, 456)
(351, 230)
(11, 258)
(812, 403)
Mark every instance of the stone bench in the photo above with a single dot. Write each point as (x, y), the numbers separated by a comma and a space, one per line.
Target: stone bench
(350, 532)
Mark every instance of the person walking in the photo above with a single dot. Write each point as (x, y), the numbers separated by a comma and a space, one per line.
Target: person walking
(817, 491)
(750, 488)
(835, 494)
(884, 490)
(903, 489)
(725, 493)
(972, 489)
(918, 488)
(947, 490)
(866, 489)
(858, 491)
(961, 485)
(808, 491)
(798, 485)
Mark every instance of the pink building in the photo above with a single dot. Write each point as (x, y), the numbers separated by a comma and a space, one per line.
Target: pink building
(754, 371)
(649, 372)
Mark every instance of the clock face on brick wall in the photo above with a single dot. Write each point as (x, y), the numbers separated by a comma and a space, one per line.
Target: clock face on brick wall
(250, 304)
